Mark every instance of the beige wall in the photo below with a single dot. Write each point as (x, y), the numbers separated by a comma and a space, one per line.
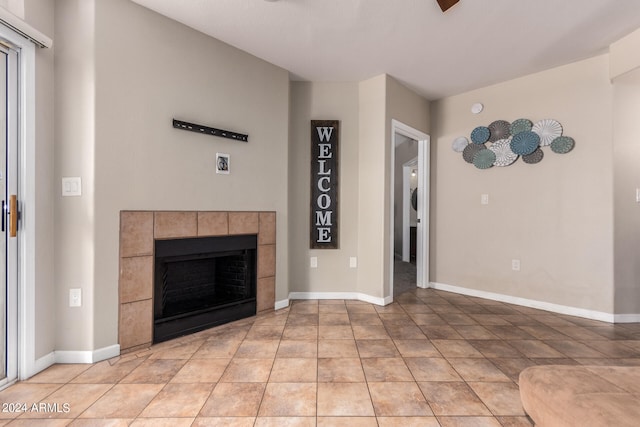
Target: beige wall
(382, 99)
(40, 15)
(323, 101)
(138, 71)
(555, 216)
(624, 55)
(120, 79)
(365, 111)
(74, 156)
(413, 110)
(371, 186)
(626, 153)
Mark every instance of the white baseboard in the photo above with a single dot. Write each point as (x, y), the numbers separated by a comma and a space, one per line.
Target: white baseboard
(542, 305)
(72, 357)
(281, 304)
(41, 364)
(341, 295)
(626, 318)
(87, 356)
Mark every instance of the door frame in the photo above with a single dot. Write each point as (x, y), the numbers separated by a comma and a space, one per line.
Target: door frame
(24, 354)
(422, 236)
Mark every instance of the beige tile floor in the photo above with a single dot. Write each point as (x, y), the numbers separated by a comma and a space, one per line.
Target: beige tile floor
(430, 359)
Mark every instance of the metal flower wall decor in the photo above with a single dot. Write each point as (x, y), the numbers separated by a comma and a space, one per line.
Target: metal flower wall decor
(501, 143)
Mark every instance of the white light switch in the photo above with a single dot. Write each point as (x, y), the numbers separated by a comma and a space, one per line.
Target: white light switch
(637, 195)
(484, 199)
(313, 262)
(72, 186)
(515, 264)
(75, 297)
(353, 262)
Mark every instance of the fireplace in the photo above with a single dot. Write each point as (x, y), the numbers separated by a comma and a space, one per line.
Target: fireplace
(139, 232)
(202, 282)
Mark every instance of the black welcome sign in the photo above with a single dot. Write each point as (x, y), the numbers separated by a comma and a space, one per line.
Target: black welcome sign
(325, 136)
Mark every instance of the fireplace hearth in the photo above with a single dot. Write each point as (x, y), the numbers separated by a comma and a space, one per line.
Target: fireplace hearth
(202, 282)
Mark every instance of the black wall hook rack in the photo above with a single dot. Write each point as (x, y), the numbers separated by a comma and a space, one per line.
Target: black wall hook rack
(179, 124)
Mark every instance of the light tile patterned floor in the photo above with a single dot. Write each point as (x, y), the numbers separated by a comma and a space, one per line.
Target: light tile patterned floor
(432, 358)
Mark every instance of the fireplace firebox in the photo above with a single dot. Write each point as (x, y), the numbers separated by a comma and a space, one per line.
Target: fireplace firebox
(202, 282)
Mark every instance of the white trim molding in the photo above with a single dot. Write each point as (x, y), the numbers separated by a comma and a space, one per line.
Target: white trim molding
(78, 356)
(43, 363)
(341, 295)
(541, 305)
(281, 304)
(626, 318)
(25, 30)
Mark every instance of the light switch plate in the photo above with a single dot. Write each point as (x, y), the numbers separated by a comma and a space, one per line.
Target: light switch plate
(72, 186)
(353, 262)
(484, 199)
(75, 297)
(313, 262)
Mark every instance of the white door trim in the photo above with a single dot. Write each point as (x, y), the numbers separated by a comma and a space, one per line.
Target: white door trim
(422, 238)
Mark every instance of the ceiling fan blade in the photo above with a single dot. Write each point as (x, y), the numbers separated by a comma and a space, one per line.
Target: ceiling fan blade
(446, 4)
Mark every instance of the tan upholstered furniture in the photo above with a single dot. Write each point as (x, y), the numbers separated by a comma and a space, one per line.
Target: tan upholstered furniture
(584, 396)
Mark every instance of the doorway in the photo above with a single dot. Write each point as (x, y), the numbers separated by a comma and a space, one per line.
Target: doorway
(8, 213)
(409, 154)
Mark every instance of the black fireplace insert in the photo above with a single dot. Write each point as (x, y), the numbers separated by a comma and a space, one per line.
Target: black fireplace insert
(202, 282)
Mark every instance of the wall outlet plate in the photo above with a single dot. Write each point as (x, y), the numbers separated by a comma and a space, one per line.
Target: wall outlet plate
(313, 262)
(75, 297)
(515, 264)
(72, 186)
(353, 262)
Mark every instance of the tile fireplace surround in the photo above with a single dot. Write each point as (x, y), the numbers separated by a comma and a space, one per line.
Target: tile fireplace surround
(139, 229)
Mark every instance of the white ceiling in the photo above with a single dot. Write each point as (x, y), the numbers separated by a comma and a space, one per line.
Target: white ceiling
(474, 44)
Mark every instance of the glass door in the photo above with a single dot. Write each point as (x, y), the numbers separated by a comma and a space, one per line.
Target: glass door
(8, 213)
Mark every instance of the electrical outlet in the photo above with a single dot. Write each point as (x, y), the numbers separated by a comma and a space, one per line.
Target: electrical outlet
(515, 264)
(75, 297)
(484, 199)
(313, 262)
(353, 262)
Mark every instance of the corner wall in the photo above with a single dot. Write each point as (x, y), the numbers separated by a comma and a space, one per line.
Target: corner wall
(145, 70)
(323, 101)
(365, 111)
(626, 152)
(555, 216)
(40, 15)
(413, 110)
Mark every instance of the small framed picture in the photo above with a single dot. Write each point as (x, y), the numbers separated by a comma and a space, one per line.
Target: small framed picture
(222, 163)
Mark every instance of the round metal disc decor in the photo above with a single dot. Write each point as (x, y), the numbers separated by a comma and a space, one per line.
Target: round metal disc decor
(534, 157)
(525, 143)
(521, 125)
(548, 130)
(562, 144)
(480, 135)
(500, 129)
(471, 150)
(484, 159)
(459, 143)
(504, 155)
